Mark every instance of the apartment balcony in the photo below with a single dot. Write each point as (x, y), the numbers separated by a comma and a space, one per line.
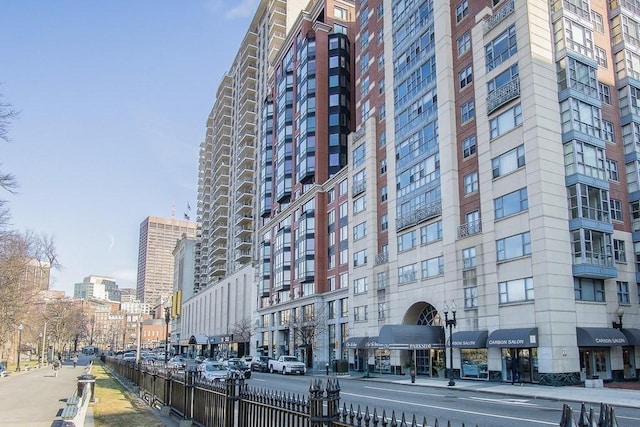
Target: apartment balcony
(220, 210)
(244, 208)
(243, 244)
(218, 250)
(503, 94)
(218, 269)
(221, 224)
(382, 258)
(469, 229)
(245, 149)
(358, 187)
(244, 195)
(597, 266)
(492, 21)
(243, 220)
(219, 238)
(243, 232)
(243, 257)
(418, 215)
(221, 198)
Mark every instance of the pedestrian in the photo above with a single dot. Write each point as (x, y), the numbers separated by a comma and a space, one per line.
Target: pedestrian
(75, 360)
(56, 367)
(515, 370)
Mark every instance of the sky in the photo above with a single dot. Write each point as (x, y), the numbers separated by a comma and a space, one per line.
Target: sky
(113, 98)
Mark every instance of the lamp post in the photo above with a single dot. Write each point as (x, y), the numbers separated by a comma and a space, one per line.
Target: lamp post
(43, 336)
(450, 323)
(20, 328)
(167, 318)
(619, 313)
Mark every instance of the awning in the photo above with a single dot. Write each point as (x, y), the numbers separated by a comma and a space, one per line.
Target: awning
(199, 339)
(214, 339)
(600, 337)
(355, 342)
(373, 343)
(632, 335)
(469, 339)
(518, 338)
(411, 337)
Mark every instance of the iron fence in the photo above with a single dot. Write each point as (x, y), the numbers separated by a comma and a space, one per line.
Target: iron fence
(233, 403)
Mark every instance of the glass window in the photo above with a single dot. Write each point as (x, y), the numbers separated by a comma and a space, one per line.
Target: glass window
(432, 267)
(471, 183)
(469, 258)
(467, 111)
(462, 10)
(360, 231)
(431, 233)
(513, 247)
(588, 289)
(469, 146)
(623, 292)
(618, 251)
(360, 285)
(501, 48)
(360, 258)
(407, 274)
(511, 203)
(407, 241)
(612, 170)
(464, 43)
(505, 121)
(465, 77)
(508, 162)
(516, 290)
(616, 209)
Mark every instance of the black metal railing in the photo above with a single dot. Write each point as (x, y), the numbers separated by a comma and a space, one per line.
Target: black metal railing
(234, 403)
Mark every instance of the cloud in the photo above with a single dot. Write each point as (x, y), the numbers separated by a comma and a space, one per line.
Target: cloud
(112, 242)
(245, 8)
(242, 9)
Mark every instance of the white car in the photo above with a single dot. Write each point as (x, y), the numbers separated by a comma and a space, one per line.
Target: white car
(130, 356)
(213, 371)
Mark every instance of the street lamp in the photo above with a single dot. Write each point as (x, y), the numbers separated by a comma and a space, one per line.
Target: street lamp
(167, 318)
(451, 323)
(619, 313)
(20, 328)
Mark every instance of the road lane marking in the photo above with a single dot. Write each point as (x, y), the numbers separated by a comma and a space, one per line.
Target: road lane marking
(446, 408)
(406, 392)
(507, 401)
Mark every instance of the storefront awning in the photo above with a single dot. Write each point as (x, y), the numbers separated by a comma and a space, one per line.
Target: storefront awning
(411, 337)
(600, 337)
(469, 339)
(214, 339)
(199, 339)
(355, 342)
(632, 335)
(518, 338)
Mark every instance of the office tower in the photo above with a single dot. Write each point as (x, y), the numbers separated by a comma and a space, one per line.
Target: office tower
(98, 287)
(158, 238)
(512, 195)
(227, 155)
(302, 198)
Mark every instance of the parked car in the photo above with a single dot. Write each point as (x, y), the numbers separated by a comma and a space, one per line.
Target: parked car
(259, 363)
(238, 367)
(130, 356)
(177, 362)
(213, 371)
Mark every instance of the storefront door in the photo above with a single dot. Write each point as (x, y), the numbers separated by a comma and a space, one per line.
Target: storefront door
(628, 360)
(594, 363)
(526, 362)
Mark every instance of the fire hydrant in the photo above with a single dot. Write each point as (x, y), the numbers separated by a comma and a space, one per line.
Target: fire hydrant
(326, 367)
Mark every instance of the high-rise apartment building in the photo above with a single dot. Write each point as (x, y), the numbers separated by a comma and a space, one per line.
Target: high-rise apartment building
(227, 155)
(98, 287)
(158, 238)
(306, 119)
(511, 195)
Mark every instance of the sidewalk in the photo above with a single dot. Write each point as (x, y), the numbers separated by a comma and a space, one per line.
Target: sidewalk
(34, 398)
(594, 396)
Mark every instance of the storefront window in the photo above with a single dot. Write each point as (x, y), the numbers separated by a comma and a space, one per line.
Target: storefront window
(383, 361)
(526, 364)
(474, 363)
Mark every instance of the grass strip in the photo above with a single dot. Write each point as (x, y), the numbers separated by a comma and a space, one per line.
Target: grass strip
(116, 406)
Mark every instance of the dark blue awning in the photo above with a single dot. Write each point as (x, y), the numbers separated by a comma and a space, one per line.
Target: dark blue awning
(411, 337)
(469, 339)
(600, 337)
(517, 338)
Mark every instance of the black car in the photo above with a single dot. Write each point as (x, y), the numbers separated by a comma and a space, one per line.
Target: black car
(260, 363)
(238, 367)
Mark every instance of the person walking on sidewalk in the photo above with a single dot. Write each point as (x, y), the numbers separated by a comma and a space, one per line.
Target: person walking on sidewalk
(75, 360)
(515, 370)
(56, 367)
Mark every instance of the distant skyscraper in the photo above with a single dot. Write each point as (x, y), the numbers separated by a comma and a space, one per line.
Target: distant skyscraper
(158, 238)
(98, 287)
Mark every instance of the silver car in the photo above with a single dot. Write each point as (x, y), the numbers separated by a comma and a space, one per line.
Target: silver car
(213, 371)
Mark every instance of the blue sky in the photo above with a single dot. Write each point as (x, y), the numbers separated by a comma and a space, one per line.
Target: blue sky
(113, 99)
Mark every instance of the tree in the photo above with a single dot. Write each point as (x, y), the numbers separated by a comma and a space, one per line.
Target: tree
(7, 115)
(307, 324)
(242, 331)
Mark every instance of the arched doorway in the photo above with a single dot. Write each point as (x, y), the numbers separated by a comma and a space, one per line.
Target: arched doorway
(429, 362)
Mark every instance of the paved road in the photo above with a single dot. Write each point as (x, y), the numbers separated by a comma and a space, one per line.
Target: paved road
(35, 398)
